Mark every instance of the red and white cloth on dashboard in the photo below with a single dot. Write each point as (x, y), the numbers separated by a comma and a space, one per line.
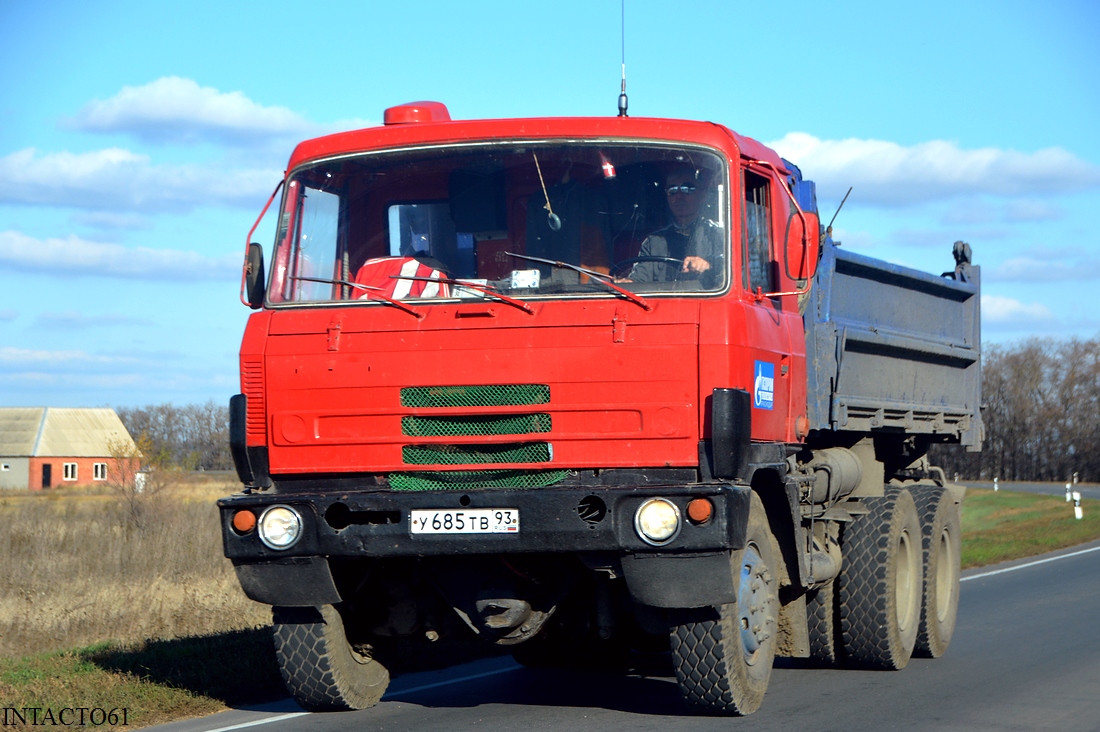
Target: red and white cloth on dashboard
(380, 273)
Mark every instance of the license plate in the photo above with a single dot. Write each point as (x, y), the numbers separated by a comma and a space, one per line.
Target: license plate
(466, 521)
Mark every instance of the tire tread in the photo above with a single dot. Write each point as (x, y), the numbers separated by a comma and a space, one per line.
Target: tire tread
(318, 667)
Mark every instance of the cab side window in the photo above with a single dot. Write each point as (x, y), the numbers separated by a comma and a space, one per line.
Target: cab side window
(757, 238)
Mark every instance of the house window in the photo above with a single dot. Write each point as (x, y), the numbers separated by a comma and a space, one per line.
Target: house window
(70, 471)
(5, 467)
(99, 471)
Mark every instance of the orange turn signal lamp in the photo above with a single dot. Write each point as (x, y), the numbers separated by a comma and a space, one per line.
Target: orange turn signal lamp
(699, 510)
(244, 521)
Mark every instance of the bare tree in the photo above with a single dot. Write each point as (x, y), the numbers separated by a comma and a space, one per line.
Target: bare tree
(1041, 410)
(195, 436)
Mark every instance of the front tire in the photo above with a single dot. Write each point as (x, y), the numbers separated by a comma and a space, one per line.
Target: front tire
(320, 669)
(723, 655)
(941, 536)
(881, 583)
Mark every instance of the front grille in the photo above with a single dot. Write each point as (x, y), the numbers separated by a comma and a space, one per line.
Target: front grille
(511, 424)
(503, 395)
(532, 452)
(462, 480)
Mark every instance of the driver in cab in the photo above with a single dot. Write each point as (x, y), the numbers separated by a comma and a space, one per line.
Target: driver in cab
(692, 239)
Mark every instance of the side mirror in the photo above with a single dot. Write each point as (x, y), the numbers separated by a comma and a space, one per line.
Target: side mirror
(254, 275)
(802, 248)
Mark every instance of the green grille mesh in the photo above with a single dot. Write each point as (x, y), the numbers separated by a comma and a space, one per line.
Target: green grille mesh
(505, 395)
(511, 424)
(532, 452)
(470, 480)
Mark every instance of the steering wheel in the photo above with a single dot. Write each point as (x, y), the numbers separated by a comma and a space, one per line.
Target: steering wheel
(626, 263)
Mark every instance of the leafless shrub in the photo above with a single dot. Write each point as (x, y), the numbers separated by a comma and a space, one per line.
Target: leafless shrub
(139, 477)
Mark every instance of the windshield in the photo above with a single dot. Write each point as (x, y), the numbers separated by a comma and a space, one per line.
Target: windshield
(505, 218)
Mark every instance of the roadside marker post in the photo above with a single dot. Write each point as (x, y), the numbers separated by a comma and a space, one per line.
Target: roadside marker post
(995, 486)
(1077, 512)
(1069, 495)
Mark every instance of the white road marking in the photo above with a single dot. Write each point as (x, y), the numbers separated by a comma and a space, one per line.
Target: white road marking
(1030, 564)
(258, 722)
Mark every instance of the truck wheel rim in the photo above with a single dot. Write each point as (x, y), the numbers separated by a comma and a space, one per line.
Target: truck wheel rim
(752, 603)
(905, 591)
(945, 576)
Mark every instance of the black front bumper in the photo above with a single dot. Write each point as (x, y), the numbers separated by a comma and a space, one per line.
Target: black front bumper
(376, 523)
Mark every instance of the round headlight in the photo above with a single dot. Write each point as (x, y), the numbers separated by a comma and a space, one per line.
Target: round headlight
(657, 521)
(280, 527)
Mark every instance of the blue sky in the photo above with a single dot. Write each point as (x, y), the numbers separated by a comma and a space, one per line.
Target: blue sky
(139, 140)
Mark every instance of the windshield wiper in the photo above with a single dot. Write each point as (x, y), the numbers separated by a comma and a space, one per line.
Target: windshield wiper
(469, 285)
(370, 289)
(598, 276)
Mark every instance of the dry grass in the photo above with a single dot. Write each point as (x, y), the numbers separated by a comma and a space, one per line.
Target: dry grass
(73, 572)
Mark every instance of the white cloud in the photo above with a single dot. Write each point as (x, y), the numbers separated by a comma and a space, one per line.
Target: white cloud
(115, 179)
(854, 239)
(25, 356)
(981, 211)
(1049, 269)
(1033, 211)
(175, 109)
(110, 220)
(72, 319)
(998, 310)
(79, 257)
(944, 239)
(887, 173)
(970, 213)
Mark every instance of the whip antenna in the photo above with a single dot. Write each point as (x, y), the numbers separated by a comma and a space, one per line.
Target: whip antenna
(622, 94)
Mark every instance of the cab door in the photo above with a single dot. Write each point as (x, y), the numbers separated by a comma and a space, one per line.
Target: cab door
(768, 357)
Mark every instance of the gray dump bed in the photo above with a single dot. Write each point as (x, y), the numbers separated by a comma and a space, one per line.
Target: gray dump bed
(893, 349)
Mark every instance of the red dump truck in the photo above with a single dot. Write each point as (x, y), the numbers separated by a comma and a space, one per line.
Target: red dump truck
(583, 387)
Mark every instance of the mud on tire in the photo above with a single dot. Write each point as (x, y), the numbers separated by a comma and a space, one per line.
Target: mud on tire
(881, 584)
(941, 544)
(723, 655)
(319, 667)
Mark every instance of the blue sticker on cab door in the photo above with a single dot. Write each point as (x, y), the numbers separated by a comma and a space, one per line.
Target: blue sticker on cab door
(763, 385)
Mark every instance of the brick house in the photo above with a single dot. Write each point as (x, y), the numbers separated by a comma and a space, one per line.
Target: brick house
(47, 447)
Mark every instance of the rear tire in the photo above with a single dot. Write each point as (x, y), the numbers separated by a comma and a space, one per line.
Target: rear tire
(723, 655)
(319, 667)
(821, 614)
(941, 541)
(880, 587)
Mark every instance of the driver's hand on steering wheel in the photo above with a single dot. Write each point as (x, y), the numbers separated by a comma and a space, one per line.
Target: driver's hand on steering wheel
(695, 264)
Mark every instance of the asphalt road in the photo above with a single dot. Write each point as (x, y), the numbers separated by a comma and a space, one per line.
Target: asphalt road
(1025, 656)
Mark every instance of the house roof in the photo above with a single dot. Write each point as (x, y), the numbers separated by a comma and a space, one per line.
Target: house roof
(60, 432)
(19, 430)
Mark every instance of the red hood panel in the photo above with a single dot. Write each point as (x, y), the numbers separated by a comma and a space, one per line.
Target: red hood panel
(335, 406)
